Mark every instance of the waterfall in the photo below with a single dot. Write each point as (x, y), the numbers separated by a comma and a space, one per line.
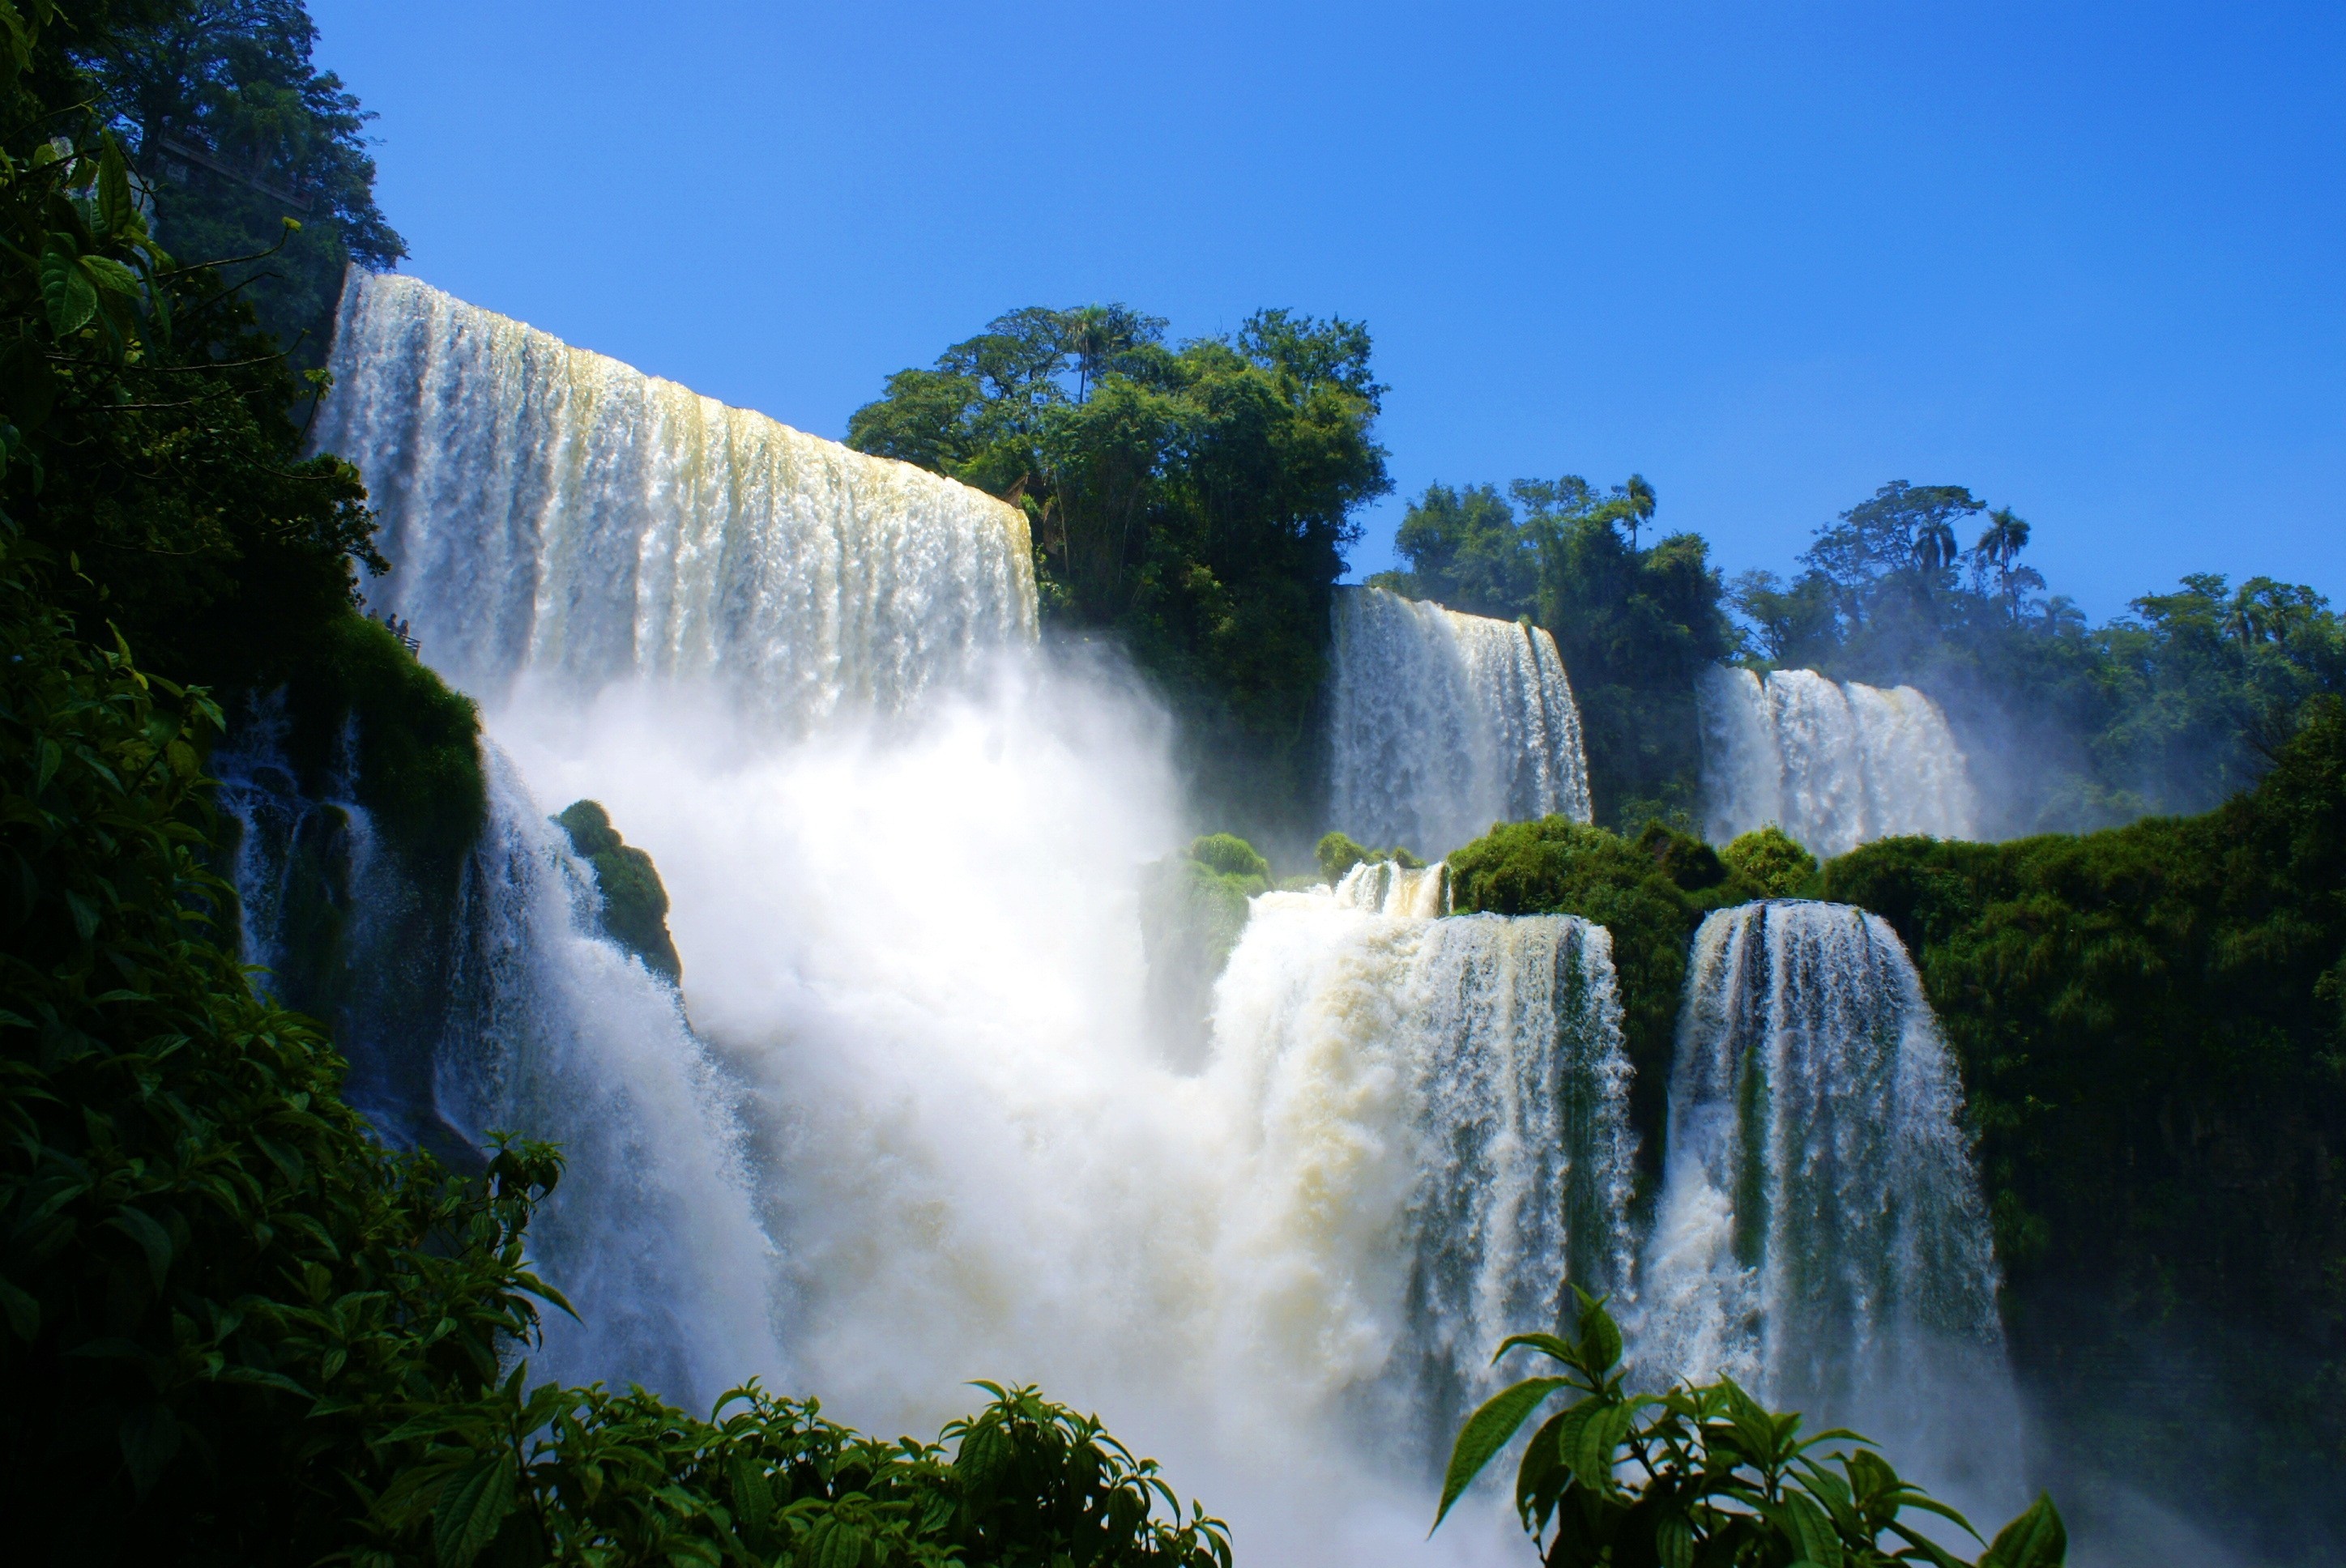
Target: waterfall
(1835, 766)
(1822, 1235)
(1434, 1118)
(1441, 724)
(514, 1011)
(552, 512)
(561, 1034)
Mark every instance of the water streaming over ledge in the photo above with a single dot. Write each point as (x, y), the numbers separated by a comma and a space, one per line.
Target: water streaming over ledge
(1441, 724)
(1820, 1233)
(1835, 766)
(1437, 1115)
(552, 511)
(916, 1130)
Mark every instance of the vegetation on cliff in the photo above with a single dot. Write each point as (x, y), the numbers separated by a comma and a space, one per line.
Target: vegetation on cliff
(635, 904)
(2152, 1027)
(233, 1328)
(1197, 499)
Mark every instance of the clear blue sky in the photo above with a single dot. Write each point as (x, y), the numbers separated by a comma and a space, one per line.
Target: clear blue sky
(2089, 260)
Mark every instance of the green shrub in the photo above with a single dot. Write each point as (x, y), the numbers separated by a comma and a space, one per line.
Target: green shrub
(1193, 909)
(1338, 854)
(635, 904)
(1770, 860)
(586, 1476)
(1704, 1474)
(1226, 854)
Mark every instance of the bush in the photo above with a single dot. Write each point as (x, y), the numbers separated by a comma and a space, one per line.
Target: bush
(635, 904)
(1193, 910)
(1337, 855)
(1770, 860)
(1703, 1474)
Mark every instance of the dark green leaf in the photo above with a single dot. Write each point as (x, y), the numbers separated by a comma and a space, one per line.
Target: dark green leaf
(472, 1504)
(1486, 1431)
(152, 1239)
(149, 1437)
(116, 209)
(2035, 1540)
(65, 290)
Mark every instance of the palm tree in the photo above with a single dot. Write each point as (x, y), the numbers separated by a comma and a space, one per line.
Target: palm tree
(2000, 546)
(1638, 497)
(1934, 546)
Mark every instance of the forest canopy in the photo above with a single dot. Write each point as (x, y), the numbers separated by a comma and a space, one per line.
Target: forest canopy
(1196, 498)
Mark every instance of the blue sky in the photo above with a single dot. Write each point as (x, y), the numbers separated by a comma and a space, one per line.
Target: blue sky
(2088, 260)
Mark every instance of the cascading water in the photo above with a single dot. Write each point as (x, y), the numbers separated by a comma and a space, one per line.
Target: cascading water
(553, 512)
(1441, 724)
(918, 1131)
(1822, 1235)
(514, 1011)
(1835, 766)
(1433, 1115)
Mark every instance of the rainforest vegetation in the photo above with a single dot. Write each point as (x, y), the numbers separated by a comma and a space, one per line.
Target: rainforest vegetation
(234, 1328)
(2170, 708)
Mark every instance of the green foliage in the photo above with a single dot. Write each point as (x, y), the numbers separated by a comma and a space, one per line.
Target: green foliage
(1337, 853)
(2150, 1027)
(215, 1282)
(1228, 855)
(1633, 626)
(1703, 1476)
(232, 130)
(1196, 500)
(1649, 893)
(635, 904)
(1768, 859)
(585, 1476)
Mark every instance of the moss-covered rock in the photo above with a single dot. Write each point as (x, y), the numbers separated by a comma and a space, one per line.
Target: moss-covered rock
(1338, 853)
(359, 699)
(1649, 893)
(1193, 909)
(635, 904)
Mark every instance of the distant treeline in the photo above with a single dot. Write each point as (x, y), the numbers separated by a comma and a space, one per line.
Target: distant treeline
(2171, 707)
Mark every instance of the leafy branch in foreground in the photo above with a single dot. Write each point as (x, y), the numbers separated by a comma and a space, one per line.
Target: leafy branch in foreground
(1704, 1476)
(585, 1476)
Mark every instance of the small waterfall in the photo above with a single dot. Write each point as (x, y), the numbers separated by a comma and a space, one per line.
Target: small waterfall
(1437, 1136)
(1442, 724)
(553, 512)
(514, 1011)
(1822, 1235)
(560, 1034)
(1835, 766)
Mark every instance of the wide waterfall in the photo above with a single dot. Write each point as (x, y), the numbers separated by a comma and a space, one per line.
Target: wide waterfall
(906, 1123)
(1441, 724)
(1822, 1235)
(553, 512)
(1835, 766)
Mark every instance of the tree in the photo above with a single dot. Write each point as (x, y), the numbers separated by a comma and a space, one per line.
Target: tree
(1999, 548)
(1636, 505)
(1196, 499)
(231, 129)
